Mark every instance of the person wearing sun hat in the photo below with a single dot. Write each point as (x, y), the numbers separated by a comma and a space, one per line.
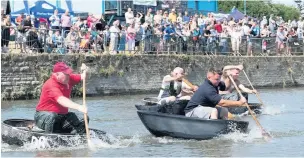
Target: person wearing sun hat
(52, 112)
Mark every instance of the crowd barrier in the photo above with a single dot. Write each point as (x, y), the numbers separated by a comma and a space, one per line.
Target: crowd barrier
(31, 40)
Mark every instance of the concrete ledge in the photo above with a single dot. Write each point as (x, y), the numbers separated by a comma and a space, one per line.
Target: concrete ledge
(134, 74)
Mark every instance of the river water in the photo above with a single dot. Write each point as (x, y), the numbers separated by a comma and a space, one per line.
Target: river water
(282, 117)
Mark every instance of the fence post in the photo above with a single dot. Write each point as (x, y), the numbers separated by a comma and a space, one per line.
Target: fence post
(44, 40)
(168, 46)
(302, 45)
(287, 47)
(96, 44)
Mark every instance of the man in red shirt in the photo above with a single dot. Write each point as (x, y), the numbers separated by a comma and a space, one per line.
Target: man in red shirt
(52, 113)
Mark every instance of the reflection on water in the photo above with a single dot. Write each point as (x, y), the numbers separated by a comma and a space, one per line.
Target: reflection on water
(117, 115)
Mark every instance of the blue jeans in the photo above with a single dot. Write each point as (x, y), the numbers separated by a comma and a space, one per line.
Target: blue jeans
(224, 46)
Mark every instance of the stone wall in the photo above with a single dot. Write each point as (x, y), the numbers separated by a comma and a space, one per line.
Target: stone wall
(22, 76)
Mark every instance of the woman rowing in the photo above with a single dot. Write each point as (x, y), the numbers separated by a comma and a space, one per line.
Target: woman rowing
(229, 93)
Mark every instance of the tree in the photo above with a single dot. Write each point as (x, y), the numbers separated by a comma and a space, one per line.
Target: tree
(261, 8)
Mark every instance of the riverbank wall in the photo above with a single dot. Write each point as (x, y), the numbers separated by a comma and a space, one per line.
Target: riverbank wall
(23, 75)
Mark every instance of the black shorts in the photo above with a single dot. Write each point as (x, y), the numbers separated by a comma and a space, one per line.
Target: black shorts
(137, 43)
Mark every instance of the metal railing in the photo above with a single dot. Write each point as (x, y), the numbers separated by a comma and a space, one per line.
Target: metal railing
(28, 40)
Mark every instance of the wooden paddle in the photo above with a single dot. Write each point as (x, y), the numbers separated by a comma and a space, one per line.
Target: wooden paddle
(257, 94)
(85, 115)
(188, 83)
(265, 134)
(230, 116)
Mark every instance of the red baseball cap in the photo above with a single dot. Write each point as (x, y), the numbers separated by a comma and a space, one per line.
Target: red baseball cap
(62, 67)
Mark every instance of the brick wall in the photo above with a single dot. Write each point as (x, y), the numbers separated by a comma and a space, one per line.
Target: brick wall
(22, 76)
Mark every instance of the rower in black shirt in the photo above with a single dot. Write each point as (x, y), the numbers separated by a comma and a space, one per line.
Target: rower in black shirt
(203, 102)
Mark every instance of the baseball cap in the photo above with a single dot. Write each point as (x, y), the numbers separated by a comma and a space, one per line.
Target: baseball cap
(62, 67)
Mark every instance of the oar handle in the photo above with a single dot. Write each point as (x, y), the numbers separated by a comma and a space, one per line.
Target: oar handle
(84, 104)
(188, 83)
(250, 111)
(257, 94)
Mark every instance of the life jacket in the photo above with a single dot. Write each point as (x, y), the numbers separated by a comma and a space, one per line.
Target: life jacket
(172, 91)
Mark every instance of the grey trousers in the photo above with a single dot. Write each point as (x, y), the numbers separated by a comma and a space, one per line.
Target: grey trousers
(60, 123)
(205, 112)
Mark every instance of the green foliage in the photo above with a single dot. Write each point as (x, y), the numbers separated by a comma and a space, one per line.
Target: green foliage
(120, 73)
(107, 71)
(44, 75)
(184, 57)
(261, 8)
(77, 90)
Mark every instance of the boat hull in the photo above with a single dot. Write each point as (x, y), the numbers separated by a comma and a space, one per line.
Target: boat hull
(150, 101)
(256, 107)
(178, 126)
(16, 132)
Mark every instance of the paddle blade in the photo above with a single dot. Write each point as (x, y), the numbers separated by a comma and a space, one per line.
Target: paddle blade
(266, 135)
(90, 144)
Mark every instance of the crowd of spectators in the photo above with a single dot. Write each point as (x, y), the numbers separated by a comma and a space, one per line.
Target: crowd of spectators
(159, 31)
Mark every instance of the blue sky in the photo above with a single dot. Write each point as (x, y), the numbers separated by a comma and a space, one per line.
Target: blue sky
(287, 2)
(94, 6)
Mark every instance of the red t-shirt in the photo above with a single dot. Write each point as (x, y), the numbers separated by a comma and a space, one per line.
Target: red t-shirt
(52, 90)
(218, 28)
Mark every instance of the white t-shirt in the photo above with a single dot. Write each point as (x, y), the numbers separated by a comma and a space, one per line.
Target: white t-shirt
(137, 20)
(129, 17)
(246, 30)
(158, 19)
(114, 31)
(179, 19)
(200, 21)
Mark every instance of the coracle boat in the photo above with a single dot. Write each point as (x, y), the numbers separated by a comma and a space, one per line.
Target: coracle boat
(256, 107)
(21, 131)
(150, 100)
(179, 126)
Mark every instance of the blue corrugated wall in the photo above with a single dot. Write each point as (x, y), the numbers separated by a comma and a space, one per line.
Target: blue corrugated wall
(205, 5)
(200, 5)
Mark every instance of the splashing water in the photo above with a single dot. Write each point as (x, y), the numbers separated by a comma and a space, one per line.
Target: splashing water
(237, 136)
(273, 110)
(167, 140)
(43, 143)
(115, 142)
(39, 143)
